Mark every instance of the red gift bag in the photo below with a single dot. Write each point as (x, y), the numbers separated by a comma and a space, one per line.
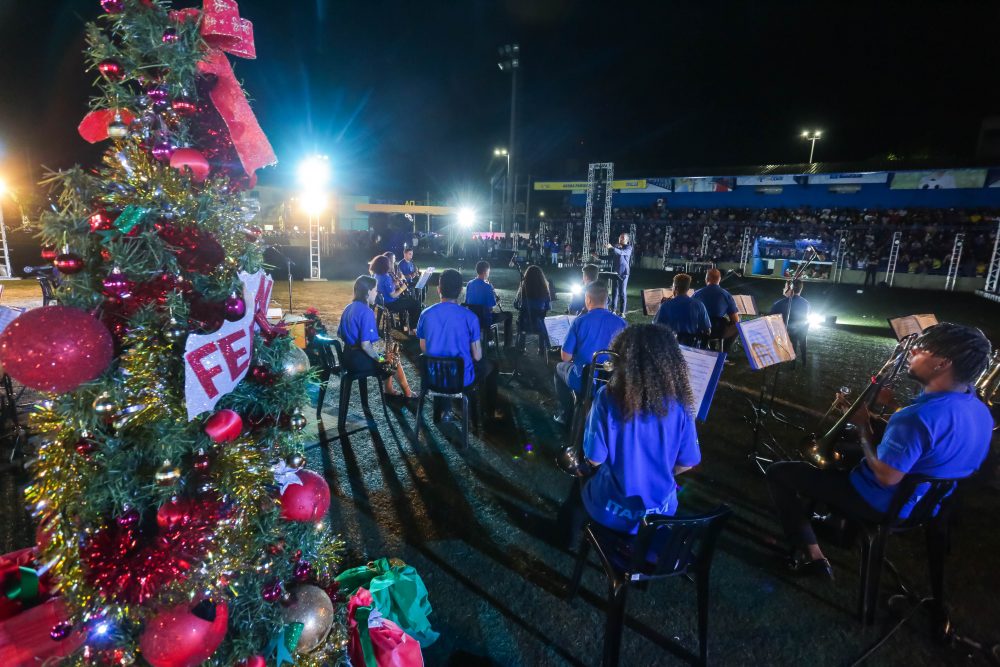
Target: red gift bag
(11, 581)
(374, 641)
(25, 639)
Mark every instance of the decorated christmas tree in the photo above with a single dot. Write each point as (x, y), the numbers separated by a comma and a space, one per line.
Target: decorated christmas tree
(176, 523)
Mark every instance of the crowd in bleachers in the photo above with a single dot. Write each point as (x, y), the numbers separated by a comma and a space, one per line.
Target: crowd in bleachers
(928, 235)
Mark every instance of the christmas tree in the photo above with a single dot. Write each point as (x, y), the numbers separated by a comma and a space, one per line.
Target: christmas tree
(176, 523)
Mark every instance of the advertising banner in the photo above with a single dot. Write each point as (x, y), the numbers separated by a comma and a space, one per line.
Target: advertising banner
(941, 179)
(849, 179)
(705, 184)
(767, 179)
(633, 184)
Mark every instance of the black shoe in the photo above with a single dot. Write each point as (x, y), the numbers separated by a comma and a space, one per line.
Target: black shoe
(819, 567)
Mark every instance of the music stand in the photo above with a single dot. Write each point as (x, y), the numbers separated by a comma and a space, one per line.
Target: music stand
(289, 264)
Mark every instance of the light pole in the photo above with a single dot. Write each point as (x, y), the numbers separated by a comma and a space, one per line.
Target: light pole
(510, 61)
(811, 136)
(5, 270)
(314, 174)
(504, 153)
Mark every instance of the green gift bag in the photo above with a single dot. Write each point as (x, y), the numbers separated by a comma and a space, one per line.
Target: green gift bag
(398, 593)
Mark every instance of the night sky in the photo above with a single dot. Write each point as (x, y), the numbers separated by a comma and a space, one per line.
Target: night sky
(407, 96)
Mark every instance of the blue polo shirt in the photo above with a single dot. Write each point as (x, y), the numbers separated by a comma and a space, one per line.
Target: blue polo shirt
(385, 286)
(406, 267)
(589, 333)
(357, 324)
(637, 457)
(624, 259)
(797, 317)
(684, 315)
(480, 293)
(718, 302)
(944, 434)
(448, 330)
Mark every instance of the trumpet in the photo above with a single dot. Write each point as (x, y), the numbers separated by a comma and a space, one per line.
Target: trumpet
(987, 387)
(822, 451)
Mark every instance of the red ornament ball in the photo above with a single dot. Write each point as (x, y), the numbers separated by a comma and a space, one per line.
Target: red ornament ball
(205, 256)
(101, 221)
(184, 637)
(117, 285)
(49, 252)
(307, 501)
(112, 70)
(55, 349)
(189, 159)
(113, 6)
(253, 661)
(69, 263)
(224, 426)
(184, 106)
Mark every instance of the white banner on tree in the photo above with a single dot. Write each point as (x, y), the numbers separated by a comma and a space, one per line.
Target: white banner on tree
(215, 363)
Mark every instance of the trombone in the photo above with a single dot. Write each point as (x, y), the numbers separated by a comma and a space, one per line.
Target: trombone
(571, 459)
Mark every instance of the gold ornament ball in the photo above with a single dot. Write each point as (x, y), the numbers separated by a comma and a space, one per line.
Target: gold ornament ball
(167, 474)
(297, 421)
(295, 362)
(295, 460)
(311, 607)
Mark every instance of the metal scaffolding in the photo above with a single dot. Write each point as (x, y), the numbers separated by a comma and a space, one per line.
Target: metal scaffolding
(668, 242)
(706, 238)
(840, 256)
(604, 197)
(890, 272)
(514, 239)
(314, 250)
(993, 275)
(955, 263)
(746, 247)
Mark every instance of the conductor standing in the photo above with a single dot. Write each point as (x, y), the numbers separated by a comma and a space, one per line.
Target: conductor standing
(622, 264)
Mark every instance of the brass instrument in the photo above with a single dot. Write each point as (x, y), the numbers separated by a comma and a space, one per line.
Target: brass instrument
(823, 451)
(987, 387)
(571, 460)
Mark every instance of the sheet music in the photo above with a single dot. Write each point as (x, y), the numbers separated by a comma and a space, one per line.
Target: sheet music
(424, 277)
(557, 327)
(912, 324)
(745, 304)
(652, 298)
(704, 367)
(766, 341)
(8, 315)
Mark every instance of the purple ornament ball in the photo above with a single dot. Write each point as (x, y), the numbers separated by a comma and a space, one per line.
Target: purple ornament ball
(113, 6)
(235, 308)
(170, 36)
(162, 151)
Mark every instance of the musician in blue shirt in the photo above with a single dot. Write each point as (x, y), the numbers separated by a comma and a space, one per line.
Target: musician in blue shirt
(944, 433)
(577, 303)
(590, 333)
(640, 434)
(393, 291)
(686, 316)
(480, 293)
(721, 307)
(358, 330)
(446, 329)
(621, 262)
(794, 310)
(407, 268)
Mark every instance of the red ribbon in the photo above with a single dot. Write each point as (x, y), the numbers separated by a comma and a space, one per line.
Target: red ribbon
(225, 32)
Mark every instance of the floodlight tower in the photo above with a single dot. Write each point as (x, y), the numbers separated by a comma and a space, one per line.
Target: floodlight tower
(812, 136)
(314, 174)
(510, 61)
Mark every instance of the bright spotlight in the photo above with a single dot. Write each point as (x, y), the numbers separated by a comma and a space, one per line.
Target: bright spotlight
(576, 290)
(313, 203)
(815, 319)
(466, 217)
(314, 172)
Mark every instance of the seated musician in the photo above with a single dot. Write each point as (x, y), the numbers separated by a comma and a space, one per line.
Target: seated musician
(407, 268)
(479, 292)
(640, 435)
(358, 329)
(391, 290)
(446, 329)
(687, 317)
(533, 302)
(589, 333)
(577, 304)
(794, 310)
(944, 433)
(721, 307)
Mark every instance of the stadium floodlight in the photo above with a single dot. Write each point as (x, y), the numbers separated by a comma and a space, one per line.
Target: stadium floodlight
(541, 214)
(576, 290)
(815, 319)
(466, 217)
(313, 203)
(812, 136)
(314, 172)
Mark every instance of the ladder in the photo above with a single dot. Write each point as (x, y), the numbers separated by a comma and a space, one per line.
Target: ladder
(955, 263)
(5, 270)
(668, 242)
(514, 239)
(592, 195)
(314, 261)
(890, 272)
(993, 275)
(746, 247)
(706, 237)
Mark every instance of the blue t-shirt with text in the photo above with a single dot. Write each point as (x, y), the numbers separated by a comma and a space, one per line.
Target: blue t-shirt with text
(943, 434)
(449, 330)
(589, 333)
(637, 458)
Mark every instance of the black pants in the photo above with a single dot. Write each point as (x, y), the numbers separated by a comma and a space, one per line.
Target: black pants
(720, 326)
(529, 322)
(487, 375)
(408, 305)
(356, 361)
(871, 272)
(798, 339)
(796, 485)
(507, 320)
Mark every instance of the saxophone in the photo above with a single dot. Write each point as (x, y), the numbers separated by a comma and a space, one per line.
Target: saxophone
(987, 387)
